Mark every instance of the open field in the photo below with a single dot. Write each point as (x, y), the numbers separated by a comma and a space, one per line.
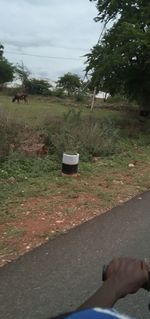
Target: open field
(37, 203)
(39, 108)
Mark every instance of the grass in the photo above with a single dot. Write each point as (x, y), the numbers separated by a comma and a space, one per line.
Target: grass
(35, 185)
(14, 232)
(36, 111)
(39, 109)
(52, 183)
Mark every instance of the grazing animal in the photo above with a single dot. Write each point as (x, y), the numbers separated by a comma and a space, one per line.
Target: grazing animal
(20, 97)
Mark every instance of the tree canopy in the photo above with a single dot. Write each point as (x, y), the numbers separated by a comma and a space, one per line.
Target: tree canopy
(38, 86)
(69, 82)
(22, 73)
(6, 68)
(120, 62)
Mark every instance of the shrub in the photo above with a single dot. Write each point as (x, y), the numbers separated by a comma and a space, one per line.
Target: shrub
(9, 133)
(11, 91)
(22, 167)
(38, 87)
(58, 92)
(117, 99)
(87, 135)
(80, 97)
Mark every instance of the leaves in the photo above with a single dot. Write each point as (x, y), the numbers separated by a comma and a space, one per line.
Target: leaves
(69, 82)
(37, 86)
(6, 68)
(121, 61)
(22, 73)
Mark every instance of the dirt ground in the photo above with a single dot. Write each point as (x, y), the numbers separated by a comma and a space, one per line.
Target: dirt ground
(44, 217)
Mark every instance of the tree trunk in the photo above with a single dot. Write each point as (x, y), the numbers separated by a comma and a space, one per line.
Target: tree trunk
(93, 99)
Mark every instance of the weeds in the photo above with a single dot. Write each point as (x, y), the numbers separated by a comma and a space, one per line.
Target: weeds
(23, 167)
(87, 135)
(10, 131)
(14, 232)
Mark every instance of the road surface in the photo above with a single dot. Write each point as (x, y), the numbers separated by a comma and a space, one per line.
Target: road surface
(61, 274)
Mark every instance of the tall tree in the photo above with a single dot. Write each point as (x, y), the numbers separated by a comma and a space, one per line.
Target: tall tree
(6, 68)
(70, 83)
(120, 62)
(22, 73)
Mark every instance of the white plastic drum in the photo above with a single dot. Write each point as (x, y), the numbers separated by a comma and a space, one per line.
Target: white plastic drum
(70, 164)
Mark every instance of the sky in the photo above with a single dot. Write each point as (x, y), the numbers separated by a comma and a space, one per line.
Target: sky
(49, 36)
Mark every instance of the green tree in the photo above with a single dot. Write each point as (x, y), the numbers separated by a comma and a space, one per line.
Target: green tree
(120, 62)
(6, 68)
(38, 86)
(70, 83)
(22, 73)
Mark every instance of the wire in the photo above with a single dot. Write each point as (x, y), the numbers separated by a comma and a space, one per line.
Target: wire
(44, 56)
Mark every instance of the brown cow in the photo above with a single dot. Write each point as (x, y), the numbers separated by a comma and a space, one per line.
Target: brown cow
(20, 97)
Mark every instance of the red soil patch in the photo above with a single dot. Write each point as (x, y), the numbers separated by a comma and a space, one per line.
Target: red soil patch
(44, 218)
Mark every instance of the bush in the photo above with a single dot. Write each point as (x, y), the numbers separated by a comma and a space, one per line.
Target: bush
(9, 133)
(22, 167)
(38, 87)
(11, 91)
(117, 99)
(58, 93)
(88, 136)
(80, 97)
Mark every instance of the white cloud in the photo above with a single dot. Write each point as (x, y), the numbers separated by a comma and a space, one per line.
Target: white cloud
(61, 28)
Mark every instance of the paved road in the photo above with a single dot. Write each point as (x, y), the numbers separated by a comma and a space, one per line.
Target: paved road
(61, 274)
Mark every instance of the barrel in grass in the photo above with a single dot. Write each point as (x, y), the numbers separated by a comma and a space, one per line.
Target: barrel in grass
(70, 163)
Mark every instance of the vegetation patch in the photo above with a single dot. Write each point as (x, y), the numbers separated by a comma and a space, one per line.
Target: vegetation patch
(37, 202)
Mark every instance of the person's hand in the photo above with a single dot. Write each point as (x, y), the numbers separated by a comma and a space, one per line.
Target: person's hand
(127, 275)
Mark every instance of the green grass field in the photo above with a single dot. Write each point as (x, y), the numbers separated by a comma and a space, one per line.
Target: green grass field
(35, 111)
(40, 108)
(33, 190)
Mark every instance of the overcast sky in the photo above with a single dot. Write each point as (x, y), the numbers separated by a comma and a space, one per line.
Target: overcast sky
(49, 28)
